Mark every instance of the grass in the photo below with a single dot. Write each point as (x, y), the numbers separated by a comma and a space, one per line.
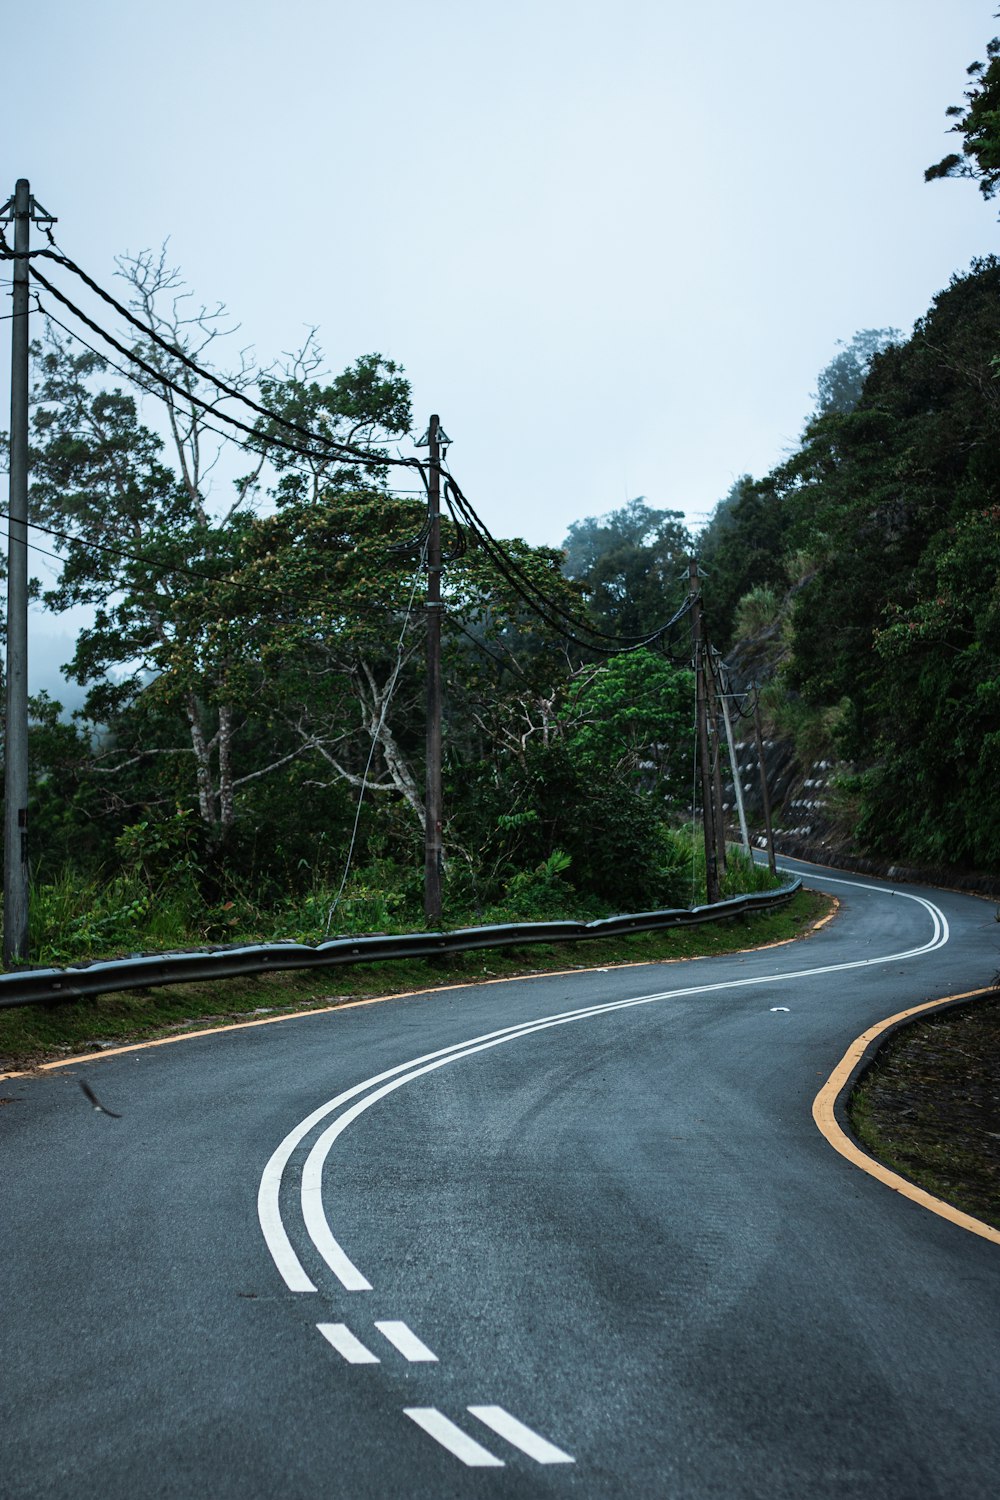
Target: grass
(929, 1106)
(30, 1035)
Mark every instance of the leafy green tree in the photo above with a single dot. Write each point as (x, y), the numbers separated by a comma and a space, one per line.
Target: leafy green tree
(629, 562)
(142, 547)
(978, 123)
(741, 549)
(366, 406)
(633, 716)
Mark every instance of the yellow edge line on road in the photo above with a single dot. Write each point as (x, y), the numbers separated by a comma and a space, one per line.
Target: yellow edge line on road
(823, 1114)
(323, 1010)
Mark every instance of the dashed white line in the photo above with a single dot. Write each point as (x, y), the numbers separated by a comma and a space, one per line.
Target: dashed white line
(406, 1341)
(346, 1345)
(515, 1432)
(457, 1442)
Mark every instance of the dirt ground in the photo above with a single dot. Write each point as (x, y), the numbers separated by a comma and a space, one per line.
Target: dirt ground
(929, 1106)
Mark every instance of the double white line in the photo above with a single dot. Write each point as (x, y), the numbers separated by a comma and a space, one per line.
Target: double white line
(371, 1090)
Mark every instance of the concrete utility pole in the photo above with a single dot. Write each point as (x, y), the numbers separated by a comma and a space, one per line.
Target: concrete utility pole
(737, 785)
(708, 821)
(432, 800)
(715, 743)
(765, 795)
(22, 208)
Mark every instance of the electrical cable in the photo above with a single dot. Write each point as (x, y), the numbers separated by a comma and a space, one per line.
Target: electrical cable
(541, 604)
(188, 395)
(344, 450)
(620, 643)
(158, 395)
(487, 539)
(507, 666)
(548, 609)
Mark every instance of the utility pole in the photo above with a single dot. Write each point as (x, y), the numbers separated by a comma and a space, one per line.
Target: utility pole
(711, 866)
(737, 785)
(432, 799)
(22, 209)
(765, 795)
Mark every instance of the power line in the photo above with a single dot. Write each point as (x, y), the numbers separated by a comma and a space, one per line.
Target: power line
(550, 610)
(330, 445)
(196, 400)
(157, 394)
(145, 561)
(542, 604)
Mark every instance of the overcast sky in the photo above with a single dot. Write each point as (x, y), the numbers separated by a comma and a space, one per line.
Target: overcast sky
(612, 245)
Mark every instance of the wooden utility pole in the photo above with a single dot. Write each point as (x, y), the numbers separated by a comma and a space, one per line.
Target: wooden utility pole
(22, 209)
(708, 822)
(765, 796)
(432, 800)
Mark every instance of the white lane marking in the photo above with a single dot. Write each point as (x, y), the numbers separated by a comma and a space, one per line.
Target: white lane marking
(268, 1204)
(444, 1431)
(522, 1437)
(351, 1348)
(406, 1341)
(268, 1194)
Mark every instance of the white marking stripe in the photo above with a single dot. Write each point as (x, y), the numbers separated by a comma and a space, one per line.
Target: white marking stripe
(268, 1205)
(453, 1438)
(522, 1437)
(343, 1340)
(409, 1346)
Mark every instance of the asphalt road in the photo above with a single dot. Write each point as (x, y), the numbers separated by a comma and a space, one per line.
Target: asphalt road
(574, 1235)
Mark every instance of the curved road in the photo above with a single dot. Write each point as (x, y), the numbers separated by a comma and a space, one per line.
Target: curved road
(573, 1235)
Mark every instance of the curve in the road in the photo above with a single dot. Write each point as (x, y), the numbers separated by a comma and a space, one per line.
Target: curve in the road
(373, 1089)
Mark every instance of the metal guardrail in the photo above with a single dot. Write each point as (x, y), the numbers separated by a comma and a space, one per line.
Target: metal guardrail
(143, 971)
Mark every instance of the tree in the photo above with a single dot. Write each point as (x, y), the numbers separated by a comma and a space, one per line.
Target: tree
(742, 548)
(839, 385)
(933, 786)
(144, 547)
(632, 716)
(978, 122)
(629, 562)
(339, 637)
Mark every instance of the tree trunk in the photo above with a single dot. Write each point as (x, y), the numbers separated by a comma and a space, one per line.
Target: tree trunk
(203, 762)
(227, 800)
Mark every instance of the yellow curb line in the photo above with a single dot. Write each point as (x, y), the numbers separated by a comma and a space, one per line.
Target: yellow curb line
(325, 1010)
(823, 1114)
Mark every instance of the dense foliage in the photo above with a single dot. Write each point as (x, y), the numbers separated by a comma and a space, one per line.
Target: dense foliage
(978, 123)
(879, 539)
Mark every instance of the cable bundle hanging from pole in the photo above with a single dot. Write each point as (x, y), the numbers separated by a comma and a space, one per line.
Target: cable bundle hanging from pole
(568, 624)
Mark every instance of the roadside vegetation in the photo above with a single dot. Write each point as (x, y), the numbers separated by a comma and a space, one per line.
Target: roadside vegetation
(79, 917)
(32, 1034)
